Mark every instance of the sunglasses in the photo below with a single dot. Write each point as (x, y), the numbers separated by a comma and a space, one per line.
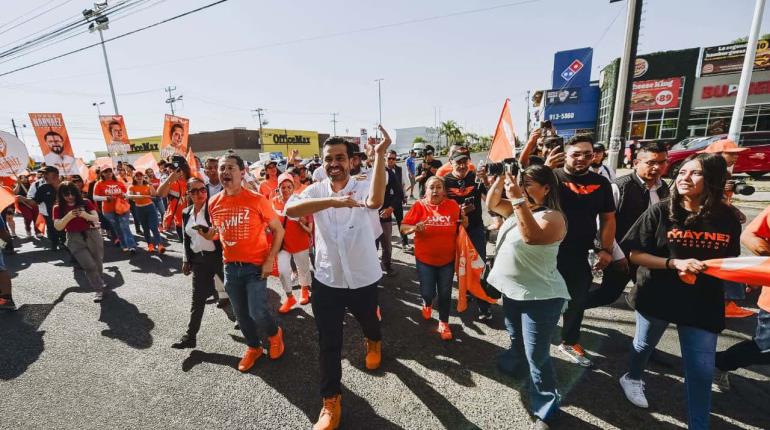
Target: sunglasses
(200, 190)
(391, 158)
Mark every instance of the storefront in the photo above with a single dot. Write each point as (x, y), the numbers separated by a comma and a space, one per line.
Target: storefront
(571, 104)
(285, 141)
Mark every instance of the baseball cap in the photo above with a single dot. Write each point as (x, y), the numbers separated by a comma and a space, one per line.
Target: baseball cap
(285, 177)
(461, 155)
(722, 145)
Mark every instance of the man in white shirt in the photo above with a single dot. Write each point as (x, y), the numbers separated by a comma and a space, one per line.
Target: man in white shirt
(211, 170)
(346, 261)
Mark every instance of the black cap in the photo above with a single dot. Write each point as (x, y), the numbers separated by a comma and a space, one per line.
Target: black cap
(598, 147)
(460, 155)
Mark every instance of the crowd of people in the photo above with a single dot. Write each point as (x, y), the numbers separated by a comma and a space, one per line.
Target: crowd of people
(561, 219)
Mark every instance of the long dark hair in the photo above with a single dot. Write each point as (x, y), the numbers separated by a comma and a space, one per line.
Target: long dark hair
(69, 187)
(714, 169)
(543, 175)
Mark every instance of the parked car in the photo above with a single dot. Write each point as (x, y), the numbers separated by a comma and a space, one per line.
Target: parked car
(755, 162)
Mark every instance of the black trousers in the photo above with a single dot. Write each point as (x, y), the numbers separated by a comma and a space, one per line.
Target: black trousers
(204, 267)
(574, 268)
(329, 306)
(398, 212)
(614, 281)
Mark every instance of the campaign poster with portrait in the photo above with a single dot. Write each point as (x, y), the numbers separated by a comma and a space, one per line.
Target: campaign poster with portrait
(175, 133)
(13, 155)
(54, 142)
(115, 136)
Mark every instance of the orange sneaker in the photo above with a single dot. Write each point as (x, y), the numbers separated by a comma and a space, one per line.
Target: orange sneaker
(331, 412)
(732, 310)
(444, 331)
(276, 344)
(373, 354)
(426, 312)
(249, 358)
(150, 248)
(161, 249)
(305, 297)
(287, 304)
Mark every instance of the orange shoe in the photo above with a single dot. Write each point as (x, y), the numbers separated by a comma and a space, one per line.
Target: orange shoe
(305, 297)
(331, 412)
(444, 331)
(579, 349)
(288, 304)
(426, 312)
(379, 314)
(276, 344)
(373, 354)
(150, 248)
(732, 310)
(249, 358)
(161, 249)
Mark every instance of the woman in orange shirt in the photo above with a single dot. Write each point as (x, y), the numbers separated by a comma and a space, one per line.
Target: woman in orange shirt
(435, 222)
(296, 244)
(142, 192)
(108, 190)
(175, 188)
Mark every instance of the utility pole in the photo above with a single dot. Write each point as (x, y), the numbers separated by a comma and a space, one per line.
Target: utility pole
(748, 68)
(259, 111)
(171, 99)
(100, 23)
(526, 100)
(13, 123)
(98, 109)
(625, 80)
(379, 97)
(334, 122)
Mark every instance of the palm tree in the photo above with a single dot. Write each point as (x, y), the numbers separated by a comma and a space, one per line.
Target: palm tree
(451, 130)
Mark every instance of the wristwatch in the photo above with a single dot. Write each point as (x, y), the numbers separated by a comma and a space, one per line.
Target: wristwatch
(518, 202)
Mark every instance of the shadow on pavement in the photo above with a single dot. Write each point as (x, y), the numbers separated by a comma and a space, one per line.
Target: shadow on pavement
(22, 341)
(125, 322)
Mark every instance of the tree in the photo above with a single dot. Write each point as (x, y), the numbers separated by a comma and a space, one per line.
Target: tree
(419, 139)
(452, 131)
(746, 39)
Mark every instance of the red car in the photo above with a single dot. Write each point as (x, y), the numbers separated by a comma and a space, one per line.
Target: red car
(754, 162)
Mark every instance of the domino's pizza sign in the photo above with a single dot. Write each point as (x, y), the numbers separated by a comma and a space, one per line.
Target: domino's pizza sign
(572, 69)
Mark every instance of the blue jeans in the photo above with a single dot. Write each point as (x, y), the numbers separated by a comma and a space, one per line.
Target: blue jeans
(698, 354)
(160, 206)
(120, 224)
(248, 296)
(530, 325)
(734, 290)
(147, 217)
(433, 280)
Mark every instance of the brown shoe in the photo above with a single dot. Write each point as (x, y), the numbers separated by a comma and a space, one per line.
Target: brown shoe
(373, 354)
(249, 358)
(331, 412)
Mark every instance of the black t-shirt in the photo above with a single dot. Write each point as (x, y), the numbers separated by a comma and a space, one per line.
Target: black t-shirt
(582, 198)
(661, 293)
(46, 193)
(430, 172)
(466, 188)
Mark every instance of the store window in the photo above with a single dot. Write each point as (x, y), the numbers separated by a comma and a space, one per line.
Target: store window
(709, 122)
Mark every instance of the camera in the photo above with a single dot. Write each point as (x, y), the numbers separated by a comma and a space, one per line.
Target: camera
(546, 124)
(509, 165)
(177, 161)
(741, 187)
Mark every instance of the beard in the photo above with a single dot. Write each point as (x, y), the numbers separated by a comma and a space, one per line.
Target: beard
(57, 149)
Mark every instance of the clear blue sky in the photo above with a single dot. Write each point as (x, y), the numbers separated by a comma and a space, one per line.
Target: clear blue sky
(290, 63)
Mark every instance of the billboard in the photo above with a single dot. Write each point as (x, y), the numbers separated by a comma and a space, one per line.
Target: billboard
(284, 141)
(176, 131)
(54, 142)
(572, 68)
(720, 90)
(729, 58)
(578, 110)
(115, 136)
(567, 95)
(145, 144)
(656, 94)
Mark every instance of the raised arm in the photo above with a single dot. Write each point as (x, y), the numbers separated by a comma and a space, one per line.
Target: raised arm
(379, 177)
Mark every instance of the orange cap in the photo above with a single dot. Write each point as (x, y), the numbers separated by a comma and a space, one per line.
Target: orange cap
(722, 145)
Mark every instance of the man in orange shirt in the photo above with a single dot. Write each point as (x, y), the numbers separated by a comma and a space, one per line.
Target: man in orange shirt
(241, 217)
(756, 237)
(446, 168)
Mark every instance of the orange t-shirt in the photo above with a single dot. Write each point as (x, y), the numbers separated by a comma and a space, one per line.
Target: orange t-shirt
(268, 188)
(176, 205)
(446, 169)
(109, 188)
(143, 190)
(241, 221)
(437, 244)
(760, 226)
(295, 238)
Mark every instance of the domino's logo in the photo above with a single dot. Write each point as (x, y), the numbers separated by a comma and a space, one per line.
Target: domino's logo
(572, 70)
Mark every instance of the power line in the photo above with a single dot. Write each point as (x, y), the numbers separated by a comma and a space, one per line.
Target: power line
(34, 17)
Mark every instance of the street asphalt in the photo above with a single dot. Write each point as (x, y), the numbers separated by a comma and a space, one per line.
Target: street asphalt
(68, 363)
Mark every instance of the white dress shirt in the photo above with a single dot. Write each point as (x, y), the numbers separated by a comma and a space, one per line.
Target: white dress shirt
(319, 174)
(345, 253)
(198, 243)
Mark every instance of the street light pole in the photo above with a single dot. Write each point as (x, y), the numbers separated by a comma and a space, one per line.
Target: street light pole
(109, 74)
(379, 98)
(748, 67)
(98, 109)
(100, 23)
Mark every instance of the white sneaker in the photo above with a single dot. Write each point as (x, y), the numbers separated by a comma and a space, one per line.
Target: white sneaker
(634, 390)
(98, 296)
(575, 355)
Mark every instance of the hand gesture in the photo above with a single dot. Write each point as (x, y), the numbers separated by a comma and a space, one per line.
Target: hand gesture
(512, 189)
(381, 147)
(345, 202)
(535, 135)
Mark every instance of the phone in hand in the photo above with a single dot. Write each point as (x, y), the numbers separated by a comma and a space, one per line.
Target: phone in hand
(201, 228)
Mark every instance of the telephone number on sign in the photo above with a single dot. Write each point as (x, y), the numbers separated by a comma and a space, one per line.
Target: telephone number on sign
(565, 115)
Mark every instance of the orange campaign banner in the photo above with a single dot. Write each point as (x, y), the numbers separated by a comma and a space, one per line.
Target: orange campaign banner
(175, 133)
(469, 267)
(146, 161)
(54, 142)
(115, 136)
(747, 270)
(195, 167)
(102, 163)
(504, 141)
(13, 155)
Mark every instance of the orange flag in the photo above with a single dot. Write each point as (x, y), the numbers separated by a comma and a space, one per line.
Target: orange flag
(195, 168)
(504, 142)
(146, 161)
(747, 270)
(469, 267)
(40, 223)
(6, 198)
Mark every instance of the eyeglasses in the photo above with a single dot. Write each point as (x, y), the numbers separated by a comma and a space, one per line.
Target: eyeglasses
(200, 190)
(653, 163)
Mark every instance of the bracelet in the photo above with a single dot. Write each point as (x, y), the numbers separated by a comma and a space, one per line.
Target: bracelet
(667, 261)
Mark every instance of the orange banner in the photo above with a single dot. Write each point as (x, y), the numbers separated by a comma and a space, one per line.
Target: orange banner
(54, 142)
(175, 133)
(146, 161)
(504, 142)
(103, 163)
(195, 167)
(115, 136)
(469, 267)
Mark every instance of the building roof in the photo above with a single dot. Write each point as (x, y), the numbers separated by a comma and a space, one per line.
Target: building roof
(222, 140)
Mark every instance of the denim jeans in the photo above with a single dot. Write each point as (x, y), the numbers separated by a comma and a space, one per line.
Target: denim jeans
(749, 352)
(734, 290)
(147, 217)
(698, 354)
(160, 206)
(530, 325)
(248, 295)
(120, 224)
(436, 280)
